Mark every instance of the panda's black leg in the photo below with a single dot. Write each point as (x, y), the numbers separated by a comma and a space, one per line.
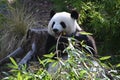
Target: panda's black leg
(28, 55)
(89, 41)
(50, 43)
(18, 51)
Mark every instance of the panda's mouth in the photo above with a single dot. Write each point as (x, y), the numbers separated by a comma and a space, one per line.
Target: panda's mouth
(58, 34)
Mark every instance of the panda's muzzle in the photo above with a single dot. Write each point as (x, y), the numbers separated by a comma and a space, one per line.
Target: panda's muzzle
(58, 33)
(55, 30)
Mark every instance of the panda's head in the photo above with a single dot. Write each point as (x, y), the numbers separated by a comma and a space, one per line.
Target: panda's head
(63, 22)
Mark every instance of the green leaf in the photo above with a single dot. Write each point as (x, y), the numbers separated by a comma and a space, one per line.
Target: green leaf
(118, 65)
(105, 65)
(50, 60)
(51, 55)
(55, 63)
(75, 71)
(61, 62)
(85, 33)
(82, 73)
(41, 62)
(19, 77)
(105, 58)
(13, 61)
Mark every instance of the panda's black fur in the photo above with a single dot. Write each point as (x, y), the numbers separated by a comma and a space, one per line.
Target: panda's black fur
(63, 41)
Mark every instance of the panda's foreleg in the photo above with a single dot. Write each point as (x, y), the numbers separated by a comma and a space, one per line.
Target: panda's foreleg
(28, 55)
(18, 51)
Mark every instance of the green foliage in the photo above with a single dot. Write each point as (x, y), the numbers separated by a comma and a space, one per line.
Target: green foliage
(2, 20)
(23, 74)
(118, 65)
(3, 7)
(105, 58)
(14, 63)
(58, 6)
(79, 66)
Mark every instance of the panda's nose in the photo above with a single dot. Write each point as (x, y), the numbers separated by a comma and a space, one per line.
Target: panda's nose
(55, 30)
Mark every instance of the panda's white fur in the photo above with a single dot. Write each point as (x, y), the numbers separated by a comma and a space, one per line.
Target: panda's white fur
(71, 23)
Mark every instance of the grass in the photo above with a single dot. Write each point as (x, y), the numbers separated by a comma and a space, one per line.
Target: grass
(18, 21)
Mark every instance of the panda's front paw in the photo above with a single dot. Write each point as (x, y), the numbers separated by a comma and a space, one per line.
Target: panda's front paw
(22, 65)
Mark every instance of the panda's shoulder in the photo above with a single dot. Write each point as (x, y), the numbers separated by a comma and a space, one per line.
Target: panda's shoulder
(50, 38)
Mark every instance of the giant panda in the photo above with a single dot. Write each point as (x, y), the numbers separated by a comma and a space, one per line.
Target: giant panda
(65, 24)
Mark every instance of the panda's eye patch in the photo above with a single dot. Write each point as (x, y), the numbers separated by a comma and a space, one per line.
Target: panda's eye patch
(63, 24)
(53, 24)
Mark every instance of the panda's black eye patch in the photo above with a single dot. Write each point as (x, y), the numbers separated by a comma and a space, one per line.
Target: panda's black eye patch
(63, 24)
(53, 24)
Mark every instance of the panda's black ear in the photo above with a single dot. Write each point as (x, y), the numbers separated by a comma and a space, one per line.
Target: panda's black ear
(74, 14)
(52, 13)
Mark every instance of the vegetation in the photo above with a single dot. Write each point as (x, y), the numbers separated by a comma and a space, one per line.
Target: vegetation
(79, 66)
(14, 25)
(100, 17)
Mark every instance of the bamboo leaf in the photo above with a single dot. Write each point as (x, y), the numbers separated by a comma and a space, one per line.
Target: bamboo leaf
(13, 61)
(55, 63)
(82, 73)
(85, 33)
(49, 55)
(105, 58)
(118, 65)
